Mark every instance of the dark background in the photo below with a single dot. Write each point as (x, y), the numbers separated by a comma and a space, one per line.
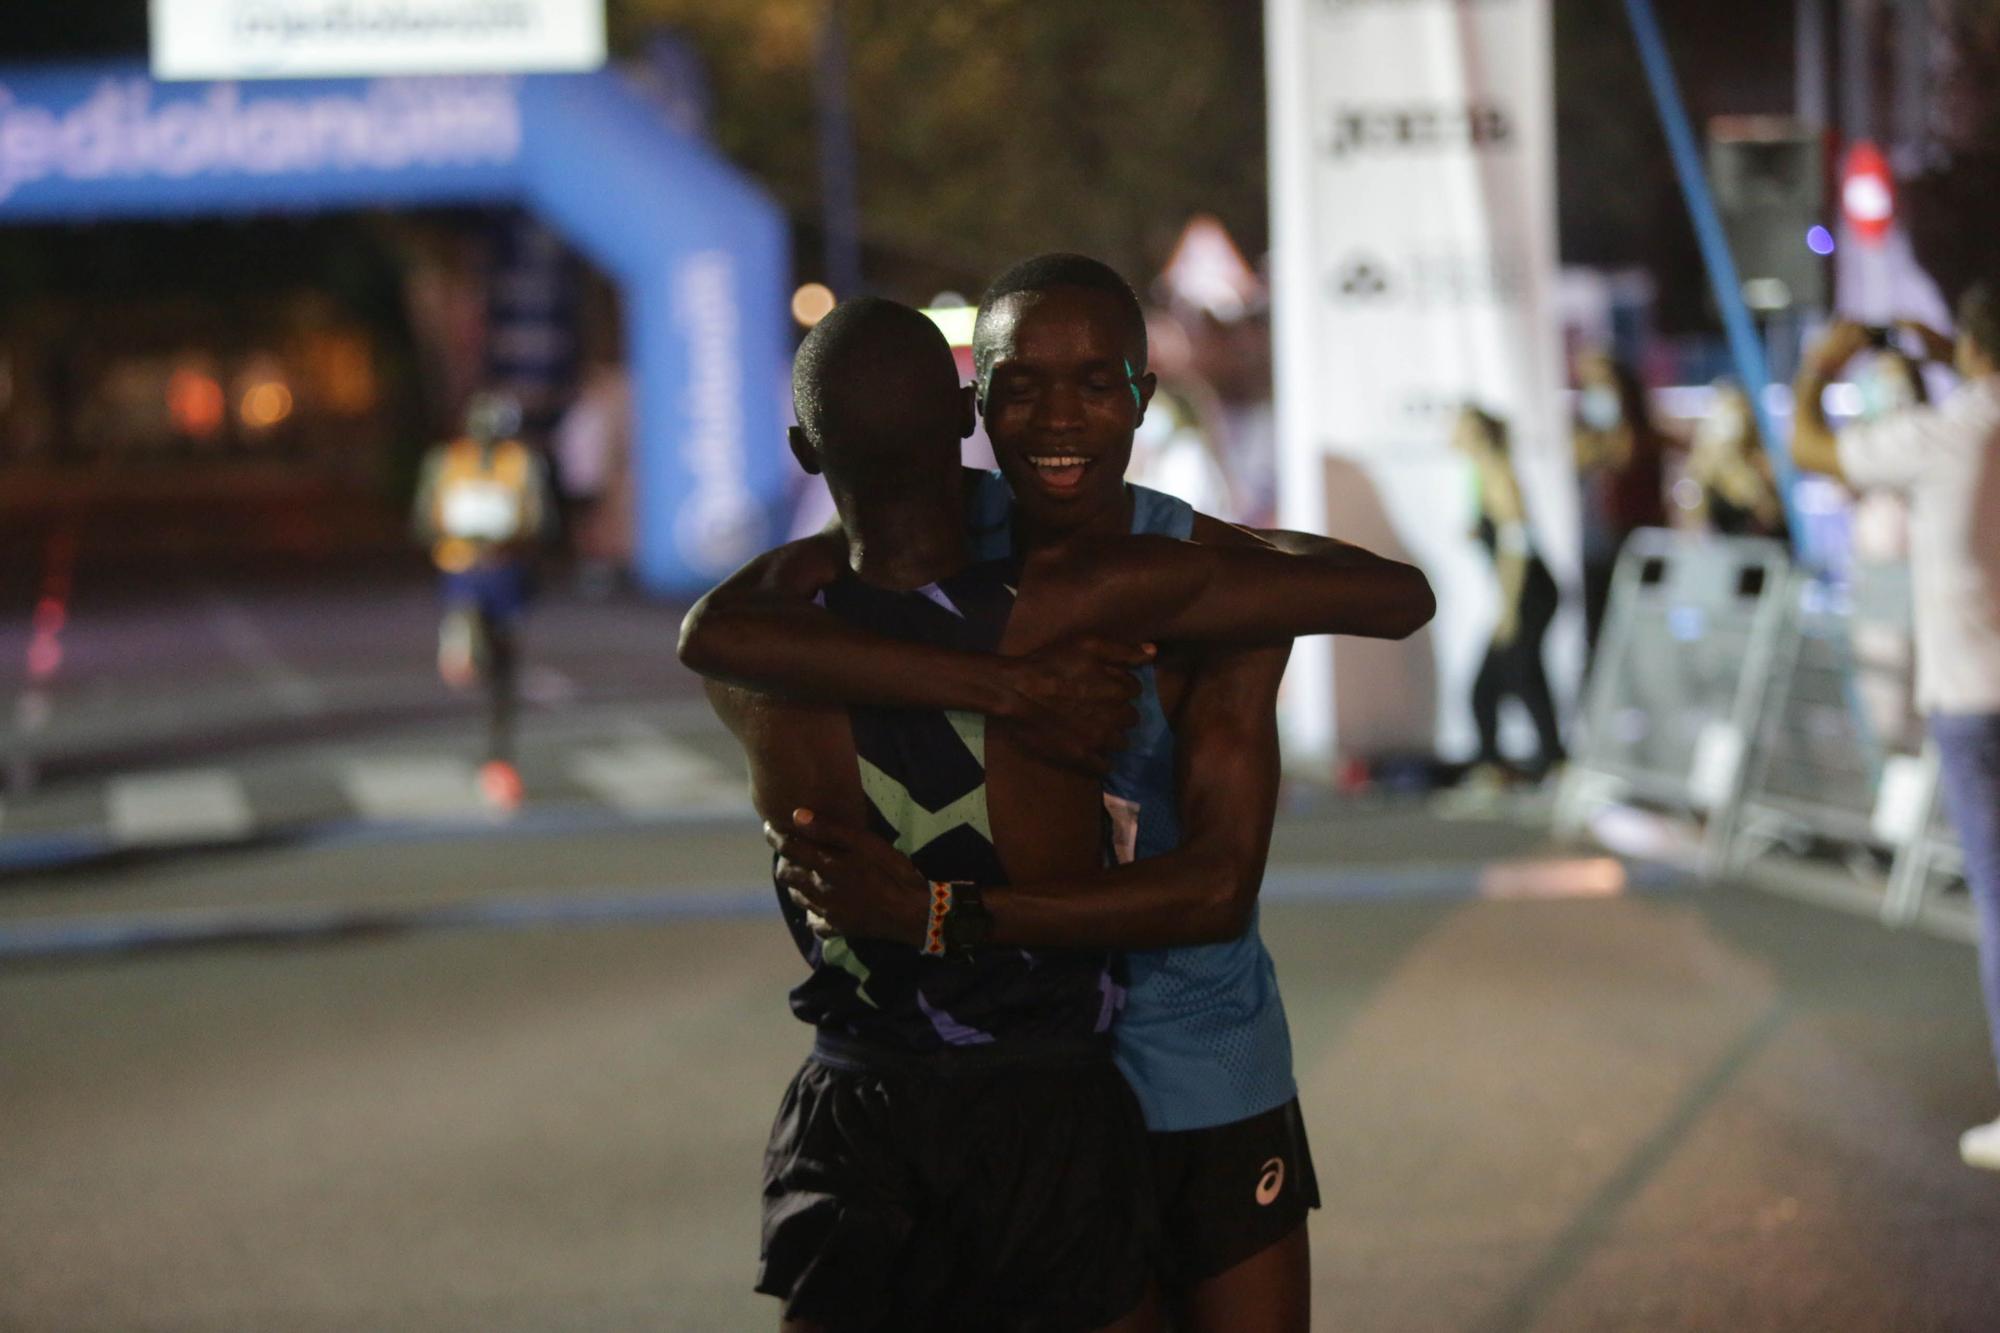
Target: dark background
(1134, 114)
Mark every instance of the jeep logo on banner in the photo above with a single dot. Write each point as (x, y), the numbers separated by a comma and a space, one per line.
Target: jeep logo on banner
(1413, 264)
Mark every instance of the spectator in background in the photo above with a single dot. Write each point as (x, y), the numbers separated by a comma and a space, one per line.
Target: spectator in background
(1879, 627)
(1946, 459)
(1528, 600)
(1737, 495)
(1620, 462)
(593, 444)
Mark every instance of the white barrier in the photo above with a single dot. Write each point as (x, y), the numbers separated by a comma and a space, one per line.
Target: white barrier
(1680, 675)
(1727, 688)
(1827, 765)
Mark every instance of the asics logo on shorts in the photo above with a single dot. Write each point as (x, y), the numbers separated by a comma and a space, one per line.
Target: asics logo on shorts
(1271, 1181)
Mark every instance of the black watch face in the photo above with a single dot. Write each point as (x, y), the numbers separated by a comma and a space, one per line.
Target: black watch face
(967, 925)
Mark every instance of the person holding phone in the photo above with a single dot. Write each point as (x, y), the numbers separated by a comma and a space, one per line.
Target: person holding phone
(1946, 459)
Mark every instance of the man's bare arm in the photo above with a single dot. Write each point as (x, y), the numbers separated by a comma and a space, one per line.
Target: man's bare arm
(1155, 588)
(1200, 893)
(1204, 890)
(759, 629)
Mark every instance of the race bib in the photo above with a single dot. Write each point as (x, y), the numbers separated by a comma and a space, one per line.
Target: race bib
(481, 511)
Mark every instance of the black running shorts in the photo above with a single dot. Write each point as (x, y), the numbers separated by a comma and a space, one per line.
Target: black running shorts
(1230, 1192)
(982, 1194)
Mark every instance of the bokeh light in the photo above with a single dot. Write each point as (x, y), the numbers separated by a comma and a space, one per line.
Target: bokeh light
(812, 303)
(265, 404)
(195, 402)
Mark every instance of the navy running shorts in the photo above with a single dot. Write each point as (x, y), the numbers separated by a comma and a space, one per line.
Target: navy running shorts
(1230, 1192)
(985, 1195)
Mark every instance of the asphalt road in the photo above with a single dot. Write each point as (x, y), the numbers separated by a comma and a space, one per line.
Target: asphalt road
(438, 1075)
(1673, 1110)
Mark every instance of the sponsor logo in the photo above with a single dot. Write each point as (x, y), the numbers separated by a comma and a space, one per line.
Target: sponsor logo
(1344, 8)
(293, 23)
(1428, 408)
(720, 524)
(1478, 126)
(1427, 281)
(122, 132)
(1270, 1182)
(1359, 279)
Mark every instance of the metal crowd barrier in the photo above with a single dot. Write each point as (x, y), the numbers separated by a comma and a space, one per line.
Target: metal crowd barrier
(1727, 687)
(1690, 635)
(1824, 766)
(1930, 862)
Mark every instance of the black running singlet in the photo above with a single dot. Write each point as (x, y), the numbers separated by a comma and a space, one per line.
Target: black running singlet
(925, 777)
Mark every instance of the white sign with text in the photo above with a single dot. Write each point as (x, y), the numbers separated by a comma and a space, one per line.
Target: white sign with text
(286, 39)
(1414, 267)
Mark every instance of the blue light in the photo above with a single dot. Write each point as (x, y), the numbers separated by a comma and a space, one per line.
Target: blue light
(1820, 241)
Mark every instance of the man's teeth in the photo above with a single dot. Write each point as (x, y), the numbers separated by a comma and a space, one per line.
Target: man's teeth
(1059, 460)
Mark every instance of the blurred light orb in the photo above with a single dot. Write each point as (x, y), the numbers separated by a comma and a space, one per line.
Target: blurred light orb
(265, 404)
(45, 656)
(1843, 399)
(812, 303)
(195, 402)
(1867, 198)
(1820, 241)
(954, 322)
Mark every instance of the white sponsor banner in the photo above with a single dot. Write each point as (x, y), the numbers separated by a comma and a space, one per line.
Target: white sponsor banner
(1414, 266)
(284, 39)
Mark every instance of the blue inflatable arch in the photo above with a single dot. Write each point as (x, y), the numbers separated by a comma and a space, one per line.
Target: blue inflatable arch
(700, 254)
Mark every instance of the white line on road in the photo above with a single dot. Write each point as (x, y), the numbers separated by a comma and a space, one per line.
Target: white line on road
(413, 787)
(194, 805)
(658, 777)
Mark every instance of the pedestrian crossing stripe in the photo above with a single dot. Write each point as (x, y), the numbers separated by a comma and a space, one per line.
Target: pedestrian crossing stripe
(412, 787)
(193, 805)
(658, 777)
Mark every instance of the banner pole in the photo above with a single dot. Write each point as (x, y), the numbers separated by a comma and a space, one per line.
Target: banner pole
(1745, 348)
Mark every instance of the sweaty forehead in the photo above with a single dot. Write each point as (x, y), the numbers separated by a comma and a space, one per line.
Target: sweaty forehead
(1063, 324)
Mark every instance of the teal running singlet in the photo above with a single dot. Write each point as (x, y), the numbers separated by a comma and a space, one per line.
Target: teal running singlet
(1203, 1038)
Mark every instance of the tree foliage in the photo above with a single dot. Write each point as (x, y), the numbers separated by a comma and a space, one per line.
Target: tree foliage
(989, 129)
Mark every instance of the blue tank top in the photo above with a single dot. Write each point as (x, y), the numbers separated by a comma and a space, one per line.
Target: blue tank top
(1202, 1038)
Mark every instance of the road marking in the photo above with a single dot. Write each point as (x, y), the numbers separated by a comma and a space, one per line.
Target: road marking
(251, 647)
(413, 787)
(657, 777)
(195, 805)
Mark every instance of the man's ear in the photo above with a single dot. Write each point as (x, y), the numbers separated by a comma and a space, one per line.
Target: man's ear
(968, 411)
(1145, 385)
(802, 449)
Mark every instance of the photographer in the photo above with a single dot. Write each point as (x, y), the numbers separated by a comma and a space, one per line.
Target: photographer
(1946, 459)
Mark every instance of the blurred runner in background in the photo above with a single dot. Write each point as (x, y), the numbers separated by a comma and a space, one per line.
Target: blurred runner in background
(482, 506)
(1947, 460)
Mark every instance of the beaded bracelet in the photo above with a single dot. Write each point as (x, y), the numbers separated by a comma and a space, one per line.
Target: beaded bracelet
(940, 909)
